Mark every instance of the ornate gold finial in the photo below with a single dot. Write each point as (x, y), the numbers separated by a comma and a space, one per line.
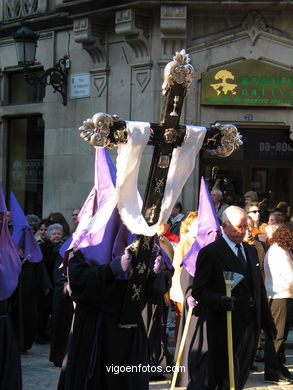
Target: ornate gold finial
(96, 131)
(181, 57)
(179, 70)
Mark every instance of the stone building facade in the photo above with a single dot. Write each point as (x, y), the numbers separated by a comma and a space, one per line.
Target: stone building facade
(117, 52)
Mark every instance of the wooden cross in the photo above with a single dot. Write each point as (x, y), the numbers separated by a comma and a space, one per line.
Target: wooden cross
(104, 130)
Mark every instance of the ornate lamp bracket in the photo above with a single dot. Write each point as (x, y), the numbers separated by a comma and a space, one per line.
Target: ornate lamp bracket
(56, 77)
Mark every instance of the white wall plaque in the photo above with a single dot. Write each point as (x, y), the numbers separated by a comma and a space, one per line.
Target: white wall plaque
(80, 85)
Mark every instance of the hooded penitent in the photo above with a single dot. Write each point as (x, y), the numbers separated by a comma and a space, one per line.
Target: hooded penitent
(10, 265)
(110, 236)
(208, 228)
(22, 233)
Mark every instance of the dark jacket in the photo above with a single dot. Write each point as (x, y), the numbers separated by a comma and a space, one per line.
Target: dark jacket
(209, 287)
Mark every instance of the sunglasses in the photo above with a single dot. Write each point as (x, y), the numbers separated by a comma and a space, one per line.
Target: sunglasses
(74, 215)
(254, 211)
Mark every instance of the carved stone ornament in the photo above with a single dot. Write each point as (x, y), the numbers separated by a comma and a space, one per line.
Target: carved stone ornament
(136, 30)
(91, 34)
(20, 8)
(179, 70)
(96, 131)
(230, 140)
(254, 24)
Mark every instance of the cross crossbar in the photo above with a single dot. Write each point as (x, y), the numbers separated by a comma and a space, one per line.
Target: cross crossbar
(104, 130)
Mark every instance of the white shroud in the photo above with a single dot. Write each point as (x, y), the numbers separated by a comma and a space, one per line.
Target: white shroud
(128, 161)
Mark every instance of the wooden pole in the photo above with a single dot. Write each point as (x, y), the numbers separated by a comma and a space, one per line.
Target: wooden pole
(181, 348)
(229, 338)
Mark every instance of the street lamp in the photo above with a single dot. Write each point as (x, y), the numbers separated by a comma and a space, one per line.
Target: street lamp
(25, 45)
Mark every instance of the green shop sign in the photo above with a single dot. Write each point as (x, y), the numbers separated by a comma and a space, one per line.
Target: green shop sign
(248, 83)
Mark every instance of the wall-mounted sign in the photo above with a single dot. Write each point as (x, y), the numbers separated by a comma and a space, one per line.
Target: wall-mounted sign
(267, 145)
(248, 83)
(248, 117)
(80, 85)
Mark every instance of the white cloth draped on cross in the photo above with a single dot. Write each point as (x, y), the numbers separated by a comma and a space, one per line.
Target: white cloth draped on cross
(128, 162)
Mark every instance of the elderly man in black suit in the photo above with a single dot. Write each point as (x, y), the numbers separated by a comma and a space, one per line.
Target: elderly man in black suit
(250, 311)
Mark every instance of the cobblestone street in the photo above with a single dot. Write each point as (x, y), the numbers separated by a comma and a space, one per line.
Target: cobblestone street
(37, 372)
(40, 374)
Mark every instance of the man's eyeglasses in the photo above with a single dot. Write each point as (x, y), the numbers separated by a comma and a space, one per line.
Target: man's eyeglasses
(254, 211)
(74, 215)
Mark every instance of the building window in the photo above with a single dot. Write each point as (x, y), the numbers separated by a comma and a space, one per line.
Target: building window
(25, 162)
(20, 92)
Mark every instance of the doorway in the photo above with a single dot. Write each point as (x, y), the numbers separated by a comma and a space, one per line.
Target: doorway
(262, 164)
(25, 162)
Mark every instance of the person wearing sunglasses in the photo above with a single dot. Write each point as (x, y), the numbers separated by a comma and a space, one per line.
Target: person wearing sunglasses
(253, 213)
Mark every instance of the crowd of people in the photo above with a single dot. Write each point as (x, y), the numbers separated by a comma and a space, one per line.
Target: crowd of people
(38, 309)
(36, 301)
(77, 312)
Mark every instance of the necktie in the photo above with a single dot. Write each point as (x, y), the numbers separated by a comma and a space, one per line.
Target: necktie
(241, 256)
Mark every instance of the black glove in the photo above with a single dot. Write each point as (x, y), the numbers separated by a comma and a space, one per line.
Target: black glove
(228, 303)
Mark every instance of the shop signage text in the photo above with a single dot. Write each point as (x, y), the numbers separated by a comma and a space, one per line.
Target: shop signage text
(248, 83)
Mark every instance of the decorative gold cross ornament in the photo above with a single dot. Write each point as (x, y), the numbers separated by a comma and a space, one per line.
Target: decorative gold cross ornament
(104, 130)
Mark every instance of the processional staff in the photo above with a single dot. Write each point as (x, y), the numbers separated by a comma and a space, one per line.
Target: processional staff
(105, 130)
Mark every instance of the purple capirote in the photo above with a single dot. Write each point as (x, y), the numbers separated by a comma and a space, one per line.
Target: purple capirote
(65, 246)
(112, 236)
(10, 265)
(208, 228)
(22, 233)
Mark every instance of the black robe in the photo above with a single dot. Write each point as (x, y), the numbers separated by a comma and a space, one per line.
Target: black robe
(10, 368)
(32, 281)
(62, 314)
(193, 374)
(97, 346)
(50, 253)
(248, 318)
(155, 320)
